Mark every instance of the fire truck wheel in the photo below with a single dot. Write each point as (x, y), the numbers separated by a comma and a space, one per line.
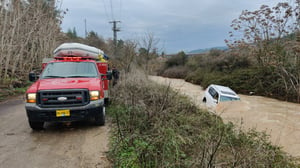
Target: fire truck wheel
(100, 118)
(36, 125)
(106, 101)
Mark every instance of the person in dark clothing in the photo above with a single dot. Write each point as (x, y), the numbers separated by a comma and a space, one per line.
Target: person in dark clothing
(115, 74)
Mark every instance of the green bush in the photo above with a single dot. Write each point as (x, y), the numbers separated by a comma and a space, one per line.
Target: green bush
(195, 77)
(177, 60)
(261, 81)
(176, 72)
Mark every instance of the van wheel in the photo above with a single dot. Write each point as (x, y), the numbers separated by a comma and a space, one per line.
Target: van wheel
(36, 125)
(100, 117)
(204, 100)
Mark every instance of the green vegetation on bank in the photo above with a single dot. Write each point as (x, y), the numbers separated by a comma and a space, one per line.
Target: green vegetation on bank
(239, 72)
(157, 127)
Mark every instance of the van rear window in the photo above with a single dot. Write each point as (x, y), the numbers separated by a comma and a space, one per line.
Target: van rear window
(227, 98)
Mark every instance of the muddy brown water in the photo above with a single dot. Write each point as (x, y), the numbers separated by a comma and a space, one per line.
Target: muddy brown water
(78, 144)
(279, 119)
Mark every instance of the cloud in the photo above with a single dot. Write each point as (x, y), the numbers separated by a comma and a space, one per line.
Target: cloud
(180, 25)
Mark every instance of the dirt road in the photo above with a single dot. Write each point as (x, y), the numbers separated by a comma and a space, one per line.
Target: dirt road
(281, 120)
(78, 145)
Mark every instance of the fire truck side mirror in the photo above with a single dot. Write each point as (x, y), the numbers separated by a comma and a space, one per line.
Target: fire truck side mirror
(33, 76)
(109, 75)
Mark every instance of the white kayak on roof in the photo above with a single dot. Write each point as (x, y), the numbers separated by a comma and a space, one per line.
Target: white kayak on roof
(78, 49)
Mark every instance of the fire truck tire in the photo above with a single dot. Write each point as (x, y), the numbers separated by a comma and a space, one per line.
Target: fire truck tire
(36, 125)
(100, 117)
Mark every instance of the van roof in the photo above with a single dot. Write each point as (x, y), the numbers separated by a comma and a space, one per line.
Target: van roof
(224, 90)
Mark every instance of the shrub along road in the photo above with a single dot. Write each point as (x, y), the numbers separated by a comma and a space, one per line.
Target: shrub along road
(277, 118)
(59, 145)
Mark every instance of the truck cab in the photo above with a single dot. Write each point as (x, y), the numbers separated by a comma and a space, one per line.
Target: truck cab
(70, 88)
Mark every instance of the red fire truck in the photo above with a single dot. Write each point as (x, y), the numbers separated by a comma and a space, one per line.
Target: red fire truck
(73, 86)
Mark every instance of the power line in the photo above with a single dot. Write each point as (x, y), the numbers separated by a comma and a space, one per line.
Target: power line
(105, 9)
(112, 12)
(121, 9)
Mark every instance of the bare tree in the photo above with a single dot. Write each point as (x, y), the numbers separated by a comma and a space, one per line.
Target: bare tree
(148, 50)
(127, 55)
(271, 36)
(29, 32)
(263, 29)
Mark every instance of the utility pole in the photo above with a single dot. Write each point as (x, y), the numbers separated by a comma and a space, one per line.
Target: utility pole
(85, 28)
(115, 29)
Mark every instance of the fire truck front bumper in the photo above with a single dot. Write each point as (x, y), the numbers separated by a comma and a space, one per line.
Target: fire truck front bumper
(79, 113)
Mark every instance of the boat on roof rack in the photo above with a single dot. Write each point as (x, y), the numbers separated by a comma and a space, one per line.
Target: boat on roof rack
(79, 50)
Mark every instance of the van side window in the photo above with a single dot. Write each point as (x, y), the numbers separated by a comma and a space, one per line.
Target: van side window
(216, 96)
(212, 92)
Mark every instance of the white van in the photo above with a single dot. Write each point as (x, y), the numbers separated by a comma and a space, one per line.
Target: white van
(217, 93)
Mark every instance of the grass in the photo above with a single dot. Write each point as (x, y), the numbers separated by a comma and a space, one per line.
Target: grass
(7, 92)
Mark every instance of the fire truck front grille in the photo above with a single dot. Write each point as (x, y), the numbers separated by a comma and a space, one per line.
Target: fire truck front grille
(62, 98)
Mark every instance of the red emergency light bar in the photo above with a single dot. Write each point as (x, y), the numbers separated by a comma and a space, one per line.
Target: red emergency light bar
(74, 58)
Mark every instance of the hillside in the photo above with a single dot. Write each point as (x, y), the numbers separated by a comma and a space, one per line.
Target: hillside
(205, 50)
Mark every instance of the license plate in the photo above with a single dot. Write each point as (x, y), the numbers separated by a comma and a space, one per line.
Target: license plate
(62, 113)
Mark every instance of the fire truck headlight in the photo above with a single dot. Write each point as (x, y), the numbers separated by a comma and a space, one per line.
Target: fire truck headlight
(31, 97)
(94, 95)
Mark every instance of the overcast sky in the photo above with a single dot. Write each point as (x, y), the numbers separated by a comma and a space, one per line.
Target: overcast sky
(180, 25)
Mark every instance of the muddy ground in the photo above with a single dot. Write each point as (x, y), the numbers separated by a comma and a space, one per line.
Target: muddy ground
(78, 145)
(279, 119)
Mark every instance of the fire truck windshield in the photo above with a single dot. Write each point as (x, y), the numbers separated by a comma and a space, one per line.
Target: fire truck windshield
(70, 70)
